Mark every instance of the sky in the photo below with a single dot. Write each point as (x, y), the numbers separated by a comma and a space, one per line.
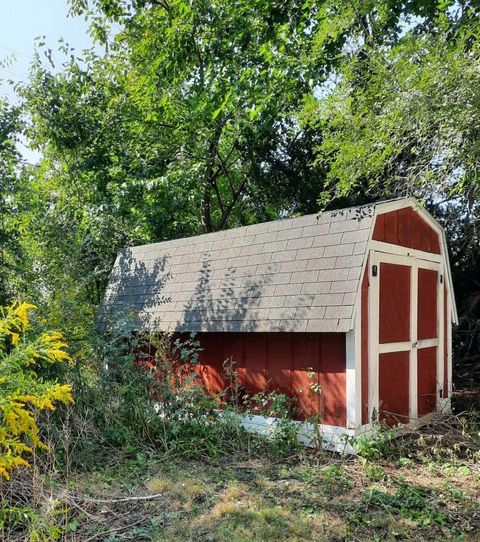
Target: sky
(21, 21)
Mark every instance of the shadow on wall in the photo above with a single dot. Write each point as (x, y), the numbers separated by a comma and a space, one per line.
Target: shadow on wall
(134, 291)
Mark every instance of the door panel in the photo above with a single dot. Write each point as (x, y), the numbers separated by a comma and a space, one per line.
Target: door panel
(427, 380)
(406, 336)
(394, 308)
(427, 304)
(393, 373)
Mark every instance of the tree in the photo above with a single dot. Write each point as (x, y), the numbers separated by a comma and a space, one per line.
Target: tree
(404, 121)
(10, 256)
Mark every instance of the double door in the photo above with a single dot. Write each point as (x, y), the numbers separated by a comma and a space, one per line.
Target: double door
(405, 337)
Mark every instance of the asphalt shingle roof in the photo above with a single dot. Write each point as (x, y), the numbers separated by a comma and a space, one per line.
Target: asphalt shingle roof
(298, 274)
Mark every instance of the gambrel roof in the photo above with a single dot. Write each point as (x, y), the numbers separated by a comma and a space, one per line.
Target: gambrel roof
(297, 274)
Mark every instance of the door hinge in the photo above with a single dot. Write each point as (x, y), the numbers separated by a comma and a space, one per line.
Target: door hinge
(374, 270)
(441, 279)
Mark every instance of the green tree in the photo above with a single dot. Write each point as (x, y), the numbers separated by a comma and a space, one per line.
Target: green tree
(10, 180)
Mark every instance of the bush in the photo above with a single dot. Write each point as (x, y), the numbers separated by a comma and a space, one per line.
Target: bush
(22, 391)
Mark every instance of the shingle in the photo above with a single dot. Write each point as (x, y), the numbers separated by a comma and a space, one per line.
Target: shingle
(309, 253)
(322, 325)
(287, 234)
(267, 237)
(244, 240)
(327, 300)
(344, 286)
(272, 302)
(321, 263)
(239, 261)
(231, 252)
(288, 289)
(354, 273)
(349, 298)
(251, 249)
(294, 266)
(338, 250)
(296, 274)
(275, 246)
(268, 268)
(356, 236)
(300, 242)
(326, 240)
(315, 288)
(304, 276)
(282, 313)
(329, 275)
(284, 256)
(360, 248)
(317, 229)
(298, 301)
(338, 312)
(345, 225)
(256, 259)
(348, 261)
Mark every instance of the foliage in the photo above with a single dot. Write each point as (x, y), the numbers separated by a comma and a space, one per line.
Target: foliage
(409, 126)
(22, 391)
(10, 200)
(375, 445)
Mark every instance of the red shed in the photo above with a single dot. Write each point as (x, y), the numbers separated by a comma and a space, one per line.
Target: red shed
(348, 311)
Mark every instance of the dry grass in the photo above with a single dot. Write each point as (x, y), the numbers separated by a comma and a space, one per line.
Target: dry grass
(427, 489)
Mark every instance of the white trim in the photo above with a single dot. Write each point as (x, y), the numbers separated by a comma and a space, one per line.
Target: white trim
(449, 348)
(373, 329)
(330, 437)
(389, 248)
(413, 373)
(351, 384)
(441, 339)
(385, 348)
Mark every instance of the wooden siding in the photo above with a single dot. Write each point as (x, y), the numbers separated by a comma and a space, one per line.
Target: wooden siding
(283, 362)
(426, 380)
(394, 320)
(427, 304)
(405, 227)
(394, 386)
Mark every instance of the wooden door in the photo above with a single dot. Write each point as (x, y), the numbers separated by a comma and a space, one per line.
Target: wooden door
(405, 337)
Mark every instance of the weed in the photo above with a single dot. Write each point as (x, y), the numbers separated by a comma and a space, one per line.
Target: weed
(375, 445)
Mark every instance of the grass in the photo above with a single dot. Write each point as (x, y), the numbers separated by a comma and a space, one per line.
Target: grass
(424, 488)
(308, 498)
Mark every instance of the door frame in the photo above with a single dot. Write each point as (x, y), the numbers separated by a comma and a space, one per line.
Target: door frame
(414, 261)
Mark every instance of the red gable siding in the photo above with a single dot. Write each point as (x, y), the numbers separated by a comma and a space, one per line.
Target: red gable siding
(405, 227)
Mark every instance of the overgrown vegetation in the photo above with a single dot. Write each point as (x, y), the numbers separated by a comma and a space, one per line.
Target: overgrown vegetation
(202, 116)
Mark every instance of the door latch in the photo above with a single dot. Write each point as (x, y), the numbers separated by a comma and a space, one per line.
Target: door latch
(414, 345)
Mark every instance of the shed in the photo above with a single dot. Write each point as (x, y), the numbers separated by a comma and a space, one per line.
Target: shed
(348, 311)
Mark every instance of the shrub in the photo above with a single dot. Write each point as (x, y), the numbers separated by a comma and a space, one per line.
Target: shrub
(22, 391)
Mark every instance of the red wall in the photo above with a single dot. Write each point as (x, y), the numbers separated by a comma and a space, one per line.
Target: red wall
(405, 227)
(282, 361)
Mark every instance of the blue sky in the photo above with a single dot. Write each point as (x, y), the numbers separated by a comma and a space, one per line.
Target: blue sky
(21, 21)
